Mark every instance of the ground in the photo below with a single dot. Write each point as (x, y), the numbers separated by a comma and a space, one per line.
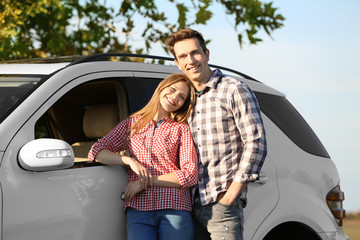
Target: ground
(351, 225)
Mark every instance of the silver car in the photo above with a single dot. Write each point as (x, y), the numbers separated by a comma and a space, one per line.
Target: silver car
(53, 110)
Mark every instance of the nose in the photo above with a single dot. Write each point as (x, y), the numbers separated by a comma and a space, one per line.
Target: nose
(176, 98)
(191, 58)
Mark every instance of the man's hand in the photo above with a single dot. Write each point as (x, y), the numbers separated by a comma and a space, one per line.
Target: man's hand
(231, 194)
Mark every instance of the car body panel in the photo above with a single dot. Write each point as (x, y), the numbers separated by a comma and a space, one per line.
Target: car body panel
(304, 181)
(65, 203)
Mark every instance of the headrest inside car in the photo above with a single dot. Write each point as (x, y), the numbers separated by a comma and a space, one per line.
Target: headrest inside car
(100, 120)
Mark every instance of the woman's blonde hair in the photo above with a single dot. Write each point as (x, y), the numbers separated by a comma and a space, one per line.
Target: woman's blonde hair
(148, 113)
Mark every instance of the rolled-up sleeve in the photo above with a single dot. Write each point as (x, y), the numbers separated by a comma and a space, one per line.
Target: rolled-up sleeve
(188, 172)
(113, 141)
(251, 128)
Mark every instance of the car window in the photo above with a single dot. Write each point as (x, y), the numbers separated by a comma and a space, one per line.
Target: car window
(13, 89)
(85, 114)
(145, 88)
(287, 118)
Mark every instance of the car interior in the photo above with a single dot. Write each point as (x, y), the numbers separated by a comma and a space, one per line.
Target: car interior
(85, 114)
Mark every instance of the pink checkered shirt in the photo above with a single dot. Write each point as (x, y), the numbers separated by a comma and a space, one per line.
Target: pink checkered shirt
(162, 149)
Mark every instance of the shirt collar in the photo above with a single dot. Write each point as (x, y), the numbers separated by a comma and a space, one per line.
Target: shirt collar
(166, 119)
(214, 79)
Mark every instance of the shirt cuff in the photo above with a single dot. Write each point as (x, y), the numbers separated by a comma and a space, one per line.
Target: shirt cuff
(245, 178)
(93, 153)
(180, 176)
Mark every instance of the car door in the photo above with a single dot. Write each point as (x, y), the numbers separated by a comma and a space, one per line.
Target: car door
(263, 194)
(83, 202)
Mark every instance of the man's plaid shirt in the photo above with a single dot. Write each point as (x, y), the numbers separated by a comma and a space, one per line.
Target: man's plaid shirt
(229, 136)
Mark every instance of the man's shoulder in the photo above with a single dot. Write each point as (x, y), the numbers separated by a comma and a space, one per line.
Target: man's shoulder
(231, 80)
(232, 83)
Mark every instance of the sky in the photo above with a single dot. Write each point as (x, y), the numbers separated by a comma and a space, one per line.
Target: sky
(314, 59)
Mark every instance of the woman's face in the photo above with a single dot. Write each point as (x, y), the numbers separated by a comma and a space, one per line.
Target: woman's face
(173, 97)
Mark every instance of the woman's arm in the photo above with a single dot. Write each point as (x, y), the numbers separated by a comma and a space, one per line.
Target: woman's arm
(166, 180)
(108, 157)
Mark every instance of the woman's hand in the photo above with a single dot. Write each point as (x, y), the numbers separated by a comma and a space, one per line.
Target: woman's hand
(110, 158)
(143, 174)
(132, 189)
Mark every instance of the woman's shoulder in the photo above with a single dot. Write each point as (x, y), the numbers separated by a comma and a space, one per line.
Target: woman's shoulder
(133, 119)
(127, 122)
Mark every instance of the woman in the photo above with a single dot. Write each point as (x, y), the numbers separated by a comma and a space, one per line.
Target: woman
(163, 161)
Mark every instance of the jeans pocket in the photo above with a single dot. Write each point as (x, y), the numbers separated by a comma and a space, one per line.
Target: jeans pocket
(232, 209)
(226, 205)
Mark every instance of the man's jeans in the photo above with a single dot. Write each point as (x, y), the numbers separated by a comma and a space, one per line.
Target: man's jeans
(159, 224)
(220, 220)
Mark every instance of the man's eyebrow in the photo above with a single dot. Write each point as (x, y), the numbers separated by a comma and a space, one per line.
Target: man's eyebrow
(182, 55)
(193, 51)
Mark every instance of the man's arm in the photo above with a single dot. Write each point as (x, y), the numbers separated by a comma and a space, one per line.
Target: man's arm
(251, 128)
(252, 132)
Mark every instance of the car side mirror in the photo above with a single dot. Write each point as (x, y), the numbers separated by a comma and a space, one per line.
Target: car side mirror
(45, 155)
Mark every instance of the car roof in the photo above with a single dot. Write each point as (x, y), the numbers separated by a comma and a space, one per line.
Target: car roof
(31, 68)
(36, 65)
(46, 66)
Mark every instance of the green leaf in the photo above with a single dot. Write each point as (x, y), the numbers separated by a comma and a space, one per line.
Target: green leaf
(202, 16)
(182, 10)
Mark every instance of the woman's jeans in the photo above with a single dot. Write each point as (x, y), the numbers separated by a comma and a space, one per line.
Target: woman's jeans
(159, 224)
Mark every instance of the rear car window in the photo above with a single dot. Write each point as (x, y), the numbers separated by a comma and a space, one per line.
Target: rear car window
(13, 89)
(288, 119)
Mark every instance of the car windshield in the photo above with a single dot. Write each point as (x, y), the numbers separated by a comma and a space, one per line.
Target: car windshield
(13, 88)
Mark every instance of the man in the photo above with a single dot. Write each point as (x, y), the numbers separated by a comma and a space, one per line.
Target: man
(229, 136)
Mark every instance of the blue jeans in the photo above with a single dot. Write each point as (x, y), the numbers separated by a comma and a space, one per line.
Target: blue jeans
(159, 224)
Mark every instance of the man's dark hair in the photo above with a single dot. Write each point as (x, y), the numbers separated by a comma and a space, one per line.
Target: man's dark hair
(182, 35)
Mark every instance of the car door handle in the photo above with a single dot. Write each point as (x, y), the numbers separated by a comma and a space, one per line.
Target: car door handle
(262, 180)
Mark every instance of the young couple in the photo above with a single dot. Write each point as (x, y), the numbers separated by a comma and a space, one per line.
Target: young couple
(202, 133)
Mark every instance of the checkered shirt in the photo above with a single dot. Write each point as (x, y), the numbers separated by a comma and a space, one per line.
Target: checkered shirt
(164, 149)
(229, 136)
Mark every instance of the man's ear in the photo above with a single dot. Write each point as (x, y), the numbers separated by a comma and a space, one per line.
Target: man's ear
(207, 53)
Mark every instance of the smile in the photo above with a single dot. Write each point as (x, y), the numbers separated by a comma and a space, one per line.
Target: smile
(171, 102)
(193, 69)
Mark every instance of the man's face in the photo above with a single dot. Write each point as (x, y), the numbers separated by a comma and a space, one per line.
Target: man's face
(192, 60)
